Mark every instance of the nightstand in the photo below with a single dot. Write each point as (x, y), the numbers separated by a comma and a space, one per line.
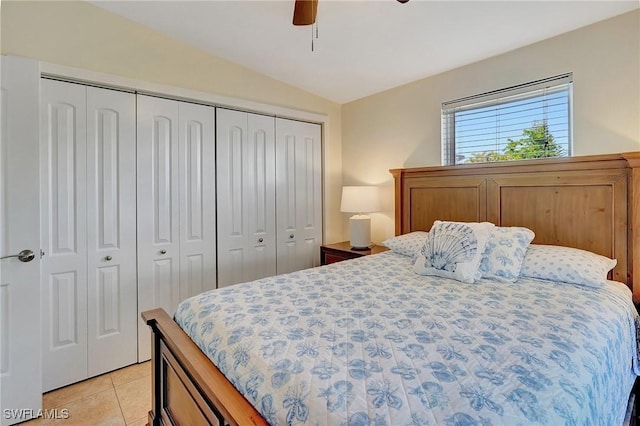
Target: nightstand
(331, 253)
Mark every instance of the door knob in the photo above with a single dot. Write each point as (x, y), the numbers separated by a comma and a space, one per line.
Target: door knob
(108, 258)
(23, 256)
(260, 240)
(163, 251)
(291, 236)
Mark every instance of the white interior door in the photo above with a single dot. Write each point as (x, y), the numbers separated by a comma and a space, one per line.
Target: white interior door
(20, 344)
(197, 199)
(246, 196)
(298, 194)
(64, 237)
(158, 211)
(111, 230)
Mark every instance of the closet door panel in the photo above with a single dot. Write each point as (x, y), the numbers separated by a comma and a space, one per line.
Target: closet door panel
(158, 210)
(197, 199)
(64, 233)
(231, 137)
(298, 194)
(246, 196)
(260, 196)
(111, 241)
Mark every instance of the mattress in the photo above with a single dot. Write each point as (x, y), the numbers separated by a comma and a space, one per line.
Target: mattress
(369, 342)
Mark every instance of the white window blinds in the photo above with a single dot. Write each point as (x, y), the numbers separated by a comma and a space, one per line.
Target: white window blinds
(532, 120)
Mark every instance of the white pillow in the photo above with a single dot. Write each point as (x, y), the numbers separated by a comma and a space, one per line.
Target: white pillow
(503, 256)
(453, 250)
(566, 264)
(407, 244)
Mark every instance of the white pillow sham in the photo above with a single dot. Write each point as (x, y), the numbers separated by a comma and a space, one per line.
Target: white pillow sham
(453, 250)
(504, 254)
(566, 264)
(407, 244)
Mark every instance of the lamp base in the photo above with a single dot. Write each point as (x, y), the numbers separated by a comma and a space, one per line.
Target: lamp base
(360, 228)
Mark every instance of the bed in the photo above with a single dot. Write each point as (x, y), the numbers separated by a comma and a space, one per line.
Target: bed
(386, 346)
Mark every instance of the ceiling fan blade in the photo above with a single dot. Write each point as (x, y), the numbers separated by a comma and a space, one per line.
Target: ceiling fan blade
(304, 12)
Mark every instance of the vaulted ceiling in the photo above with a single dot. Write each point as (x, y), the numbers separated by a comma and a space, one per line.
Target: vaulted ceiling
(363, 46)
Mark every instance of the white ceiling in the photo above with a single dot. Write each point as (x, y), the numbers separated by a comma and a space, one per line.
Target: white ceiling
(364, 46)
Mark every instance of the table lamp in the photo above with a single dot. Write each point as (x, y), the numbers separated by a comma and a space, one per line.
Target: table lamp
(360, 200)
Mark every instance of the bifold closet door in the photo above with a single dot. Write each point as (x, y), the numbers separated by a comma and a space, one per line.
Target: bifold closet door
(64, 233)
(298, 194)
(88, 231)
(197, 199)
(111, 230)
(246, 196)
(176, 206)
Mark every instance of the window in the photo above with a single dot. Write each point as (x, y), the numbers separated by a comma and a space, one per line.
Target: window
(532, 120)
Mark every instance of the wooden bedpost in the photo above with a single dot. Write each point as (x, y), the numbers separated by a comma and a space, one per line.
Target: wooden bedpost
(397, 184)
(633, 159)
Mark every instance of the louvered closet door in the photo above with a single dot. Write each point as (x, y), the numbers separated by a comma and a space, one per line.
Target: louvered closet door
(246, 196)
(111, 230)
(197, 199)
(298, 195)
(158, 211)
(64, 233)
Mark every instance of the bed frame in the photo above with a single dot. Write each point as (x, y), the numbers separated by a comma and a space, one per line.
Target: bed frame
(590, 202)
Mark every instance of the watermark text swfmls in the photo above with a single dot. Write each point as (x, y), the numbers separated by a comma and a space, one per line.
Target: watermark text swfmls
(30, 413)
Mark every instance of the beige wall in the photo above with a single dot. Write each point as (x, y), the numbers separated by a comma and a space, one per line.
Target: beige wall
(81, 35)
(401, 127)
(396, 128)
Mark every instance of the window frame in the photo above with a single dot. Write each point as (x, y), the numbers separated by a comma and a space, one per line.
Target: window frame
(558, 83)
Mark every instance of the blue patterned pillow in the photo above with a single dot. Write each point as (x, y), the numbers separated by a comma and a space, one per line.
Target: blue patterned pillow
(407, 244)
(567, 264)
(453, 250)
(503, 256)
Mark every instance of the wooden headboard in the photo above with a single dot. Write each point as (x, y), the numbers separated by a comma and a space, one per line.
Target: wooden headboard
(590, 202)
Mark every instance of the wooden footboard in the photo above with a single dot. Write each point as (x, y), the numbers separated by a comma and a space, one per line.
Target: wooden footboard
(187, 388)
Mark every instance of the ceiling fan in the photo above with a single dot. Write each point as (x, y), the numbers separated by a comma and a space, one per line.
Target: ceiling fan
(305, 11)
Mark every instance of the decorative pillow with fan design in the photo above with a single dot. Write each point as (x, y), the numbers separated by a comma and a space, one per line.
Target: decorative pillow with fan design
(454, 250)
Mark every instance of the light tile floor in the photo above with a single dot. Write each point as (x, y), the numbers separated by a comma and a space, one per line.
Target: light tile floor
(122, 397)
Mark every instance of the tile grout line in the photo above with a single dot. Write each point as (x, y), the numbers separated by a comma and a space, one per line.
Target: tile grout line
(78, 398)
(118, 399)
(92, 391)
(115, 390)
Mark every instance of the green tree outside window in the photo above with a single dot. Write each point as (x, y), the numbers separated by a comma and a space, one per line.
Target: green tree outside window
(535, 142)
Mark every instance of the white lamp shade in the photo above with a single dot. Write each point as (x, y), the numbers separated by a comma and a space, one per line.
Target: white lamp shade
(360, 199)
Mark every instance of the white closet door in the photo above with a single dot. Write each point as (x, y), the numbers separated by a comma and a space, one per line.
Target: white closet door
(246, 196)
(298, 195)
(63, 230)
(197, 199)
(260, 196)
(158, 211)
(111, 230)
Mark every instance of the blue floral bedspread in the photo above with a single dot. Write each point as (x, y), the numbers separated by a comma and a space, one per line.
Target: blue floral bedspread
(369, 342)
